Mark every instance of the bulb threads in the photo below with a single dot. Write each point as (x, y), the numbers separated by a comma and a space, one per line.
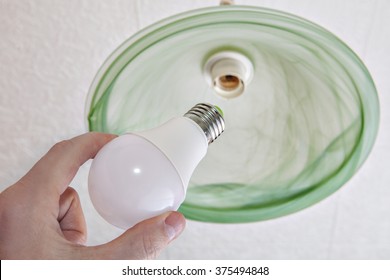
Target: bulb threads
(209, 118)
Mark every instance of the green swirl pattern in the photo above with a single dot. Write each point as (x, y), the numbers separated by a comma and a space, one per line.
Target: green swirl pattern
(303, 127)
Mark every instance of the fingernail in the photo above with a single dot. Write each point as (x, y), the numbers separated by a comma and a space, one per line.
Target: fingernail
(174, 225)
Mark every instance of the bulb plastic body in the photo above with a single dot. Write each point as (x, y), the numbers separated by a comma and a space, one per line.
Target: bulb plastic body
(141, 175)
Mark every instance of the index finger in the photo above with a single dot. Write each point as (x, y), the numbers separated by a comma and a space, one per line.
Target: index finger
(55, 170)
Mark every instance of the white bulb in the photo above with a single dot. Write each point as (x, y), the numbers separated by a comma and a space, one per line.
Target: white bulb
(141, 175)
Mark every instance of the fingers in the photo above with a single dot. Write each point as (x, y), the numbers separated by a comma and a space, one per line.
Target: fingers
(53, 172)
(143, 241)
(71, 217)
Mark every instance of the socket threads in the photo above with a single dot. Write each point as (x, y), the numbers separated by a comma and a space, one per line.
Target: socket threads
(209, 118)
(228, 73)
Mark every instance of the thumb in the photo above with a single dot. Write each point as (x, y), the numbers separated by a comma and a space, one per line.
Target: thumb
(145, 240)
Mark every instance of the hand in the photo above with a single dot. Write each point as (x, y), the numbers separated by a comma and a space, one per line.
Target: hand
(41, 216)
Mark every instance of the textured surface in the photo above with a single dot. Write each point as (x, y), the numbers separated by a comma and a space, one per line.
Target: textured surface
(50, 52)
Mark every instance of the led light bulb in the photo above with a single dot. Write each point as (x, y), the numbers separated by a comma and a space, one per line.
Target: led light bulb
(141, 175)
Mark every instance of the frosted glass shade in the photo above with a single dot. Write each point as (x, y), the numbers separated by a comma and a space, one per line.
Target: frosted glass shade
(302, 128)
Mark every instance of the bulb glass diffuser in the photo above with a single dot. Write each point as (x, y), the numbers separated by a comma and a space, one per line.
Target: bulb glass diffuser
(141, 175)
(301, 122)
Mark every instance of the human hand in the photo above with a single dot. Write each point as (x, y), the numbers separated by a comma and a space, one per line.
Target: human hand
(41, 216)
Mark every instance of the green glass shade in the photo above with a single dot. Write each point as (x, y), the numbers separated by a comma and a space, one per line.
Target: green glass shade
(304, 125)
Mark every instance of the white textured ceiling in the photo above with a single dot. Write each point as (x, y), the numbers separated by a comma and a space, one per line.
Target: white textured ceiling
(50, 52)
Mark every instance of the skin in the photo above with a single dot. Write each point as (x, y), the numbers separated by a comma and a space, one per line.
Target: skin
(41, 215)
